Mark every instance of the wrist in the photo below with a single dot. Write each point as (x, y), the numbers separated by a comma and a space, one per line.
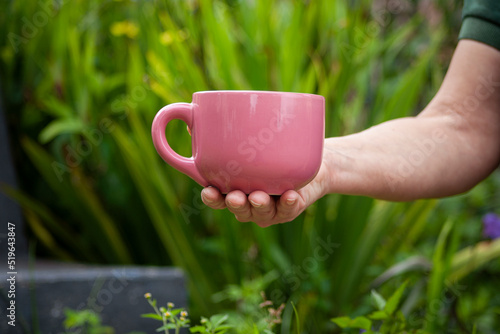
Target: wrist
(342, 159)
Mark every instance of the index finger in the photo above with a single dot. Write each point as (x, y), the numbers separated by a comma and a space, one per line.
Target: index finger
(213, 198)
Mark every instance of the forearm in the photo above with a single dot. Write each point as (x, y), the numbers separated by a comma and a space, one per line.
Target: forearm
(451, 146)
(407, 159)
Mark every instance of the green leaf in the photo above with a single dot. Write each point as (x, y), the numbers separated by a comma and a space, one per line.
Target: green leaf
(472, 258)
(393, 301)
(297, 319)
(176, 311)
(378, 315)
(152, 316)
(342, 322)
(167, 326)
(198, 329)
(446, 247)
(378, 300)
(56, 107)
(361, 322)
(358, 322)
(59, 126)
(218, 319)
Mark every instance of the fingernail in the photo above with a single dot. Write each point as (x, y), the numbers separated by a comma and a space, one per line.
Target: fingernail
(231, 204)
(255, 204)
(207, 199)
(290, 201)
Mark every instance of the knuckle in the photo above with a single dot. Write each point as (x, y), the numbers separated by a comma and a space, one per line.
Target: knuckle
(216, 205)
(284, 217)
(265, 211)
(242, 214)
(239, 210)
(241, 219)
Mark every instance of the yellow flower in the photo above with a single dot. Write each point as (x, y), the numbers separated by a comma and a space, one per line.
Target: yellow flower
(184, 314)
(125, 28)
(169, 36)
(147, 295)
(182, 318)
(170, 305)
(166, 38)
(167, 314)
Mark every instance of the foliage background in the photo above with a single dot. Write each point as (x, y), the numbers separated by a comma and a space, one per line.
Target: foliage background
(82, 81)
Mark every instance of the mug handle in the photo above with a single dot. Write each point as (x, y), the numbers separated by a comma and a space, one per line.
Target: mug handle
(184, 112)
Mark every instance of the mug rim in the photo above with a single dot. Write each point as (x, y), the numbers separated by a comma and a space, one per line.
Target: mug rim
(262, 92)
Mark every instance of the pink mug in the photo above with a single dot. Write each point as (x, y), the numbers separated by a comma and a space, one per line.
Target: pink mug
(247, 140)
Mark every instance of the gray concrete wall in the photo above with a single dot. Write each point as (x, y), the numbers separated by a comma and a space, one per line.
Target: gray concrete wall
(115, 293)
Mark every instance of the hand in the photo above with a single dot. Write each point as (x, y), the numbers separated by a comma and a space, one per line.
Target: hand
(445, 150)
(266, 210)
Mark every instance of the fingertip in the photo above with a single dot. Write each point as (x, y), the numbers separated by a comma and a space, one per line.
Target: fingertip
(212, 198)
(290, 197)
(259, 198)
(236, 199)
(209, 194)
(233, 204)
(288, 207)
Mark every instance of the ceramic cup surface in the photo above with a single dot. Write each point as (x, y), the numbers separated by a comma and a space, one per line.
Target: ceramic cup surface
(247, 140)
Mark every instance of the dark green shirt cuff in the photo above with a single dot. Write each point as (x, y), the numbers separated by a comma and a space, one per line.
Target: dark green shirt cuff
(480, 30)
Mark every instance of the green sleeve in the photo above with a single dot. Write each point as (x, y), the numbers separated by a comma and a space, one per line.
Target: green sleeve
(481, 21)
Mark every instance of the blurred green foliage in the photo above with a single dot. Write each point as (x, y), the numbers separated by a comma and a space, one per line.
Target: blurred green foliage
(84, 321)
(84, 79)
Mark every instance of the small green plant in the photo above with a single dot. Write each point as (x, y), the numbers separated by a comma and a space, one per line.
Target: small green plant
(214, 325)
(253, 313)
(388, 319)
(177, 318)
(84, 322)
(172, 318)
